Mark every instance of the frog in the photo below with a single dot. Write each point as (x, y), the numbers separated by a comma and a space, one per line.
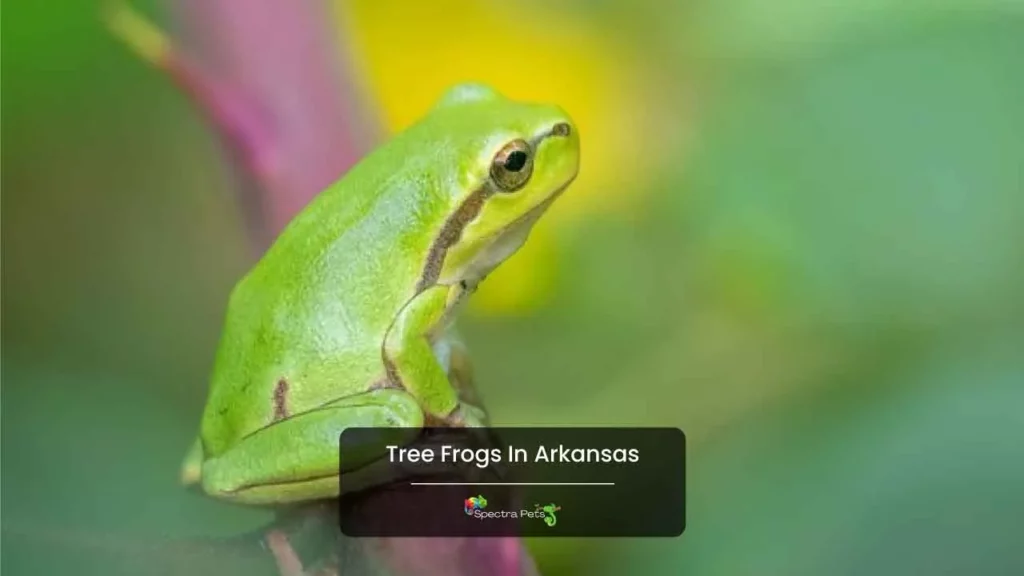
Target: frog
(345, 321)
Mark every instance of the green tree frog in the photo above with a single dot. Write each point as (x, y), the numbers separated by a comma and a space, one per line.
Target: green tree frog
(342, 321)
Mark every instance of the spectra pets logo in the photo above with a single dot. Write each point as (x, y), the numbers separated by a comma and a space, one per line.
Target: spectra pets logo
(549, 513)
(475, 503)
(474, 507)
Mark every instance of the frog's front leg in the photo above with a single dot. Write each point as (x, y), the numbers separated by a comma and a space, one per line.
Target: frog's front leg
(297, 459)
(412, 362)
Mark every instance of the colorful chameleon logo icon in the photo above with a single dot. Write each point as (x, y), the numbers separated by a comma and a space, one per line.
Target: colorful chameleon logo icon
(475, 503)
(549, 513)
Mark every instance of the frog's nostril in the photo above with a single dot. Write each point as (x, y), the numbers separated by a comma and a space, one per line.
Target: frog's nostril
(561, 129)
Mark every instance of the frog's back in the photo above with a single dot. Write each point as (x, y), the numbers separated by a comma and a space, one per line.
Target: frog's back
(306, 325)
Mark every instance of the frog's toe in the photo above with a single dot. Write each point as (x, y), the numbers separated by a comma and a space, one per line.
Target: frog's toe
(467, 416)
(191, 468)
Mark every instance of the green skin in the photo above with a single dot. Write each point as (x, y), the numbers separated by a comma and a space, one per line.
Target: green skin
(343, 321)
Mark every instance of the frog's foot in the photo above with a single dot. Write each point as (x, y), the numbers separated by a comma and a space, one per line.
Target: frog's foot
(467, 416)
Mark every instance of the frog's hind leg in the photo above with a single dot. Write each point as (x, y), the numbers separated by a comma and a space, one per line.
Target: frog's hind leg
(297, 459)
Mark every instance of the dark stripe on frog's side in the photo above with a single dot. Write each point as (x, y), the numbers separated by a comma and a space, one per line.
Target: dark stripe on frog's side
(281, 400)
(450, 234)
(392, 379)
(385, 383)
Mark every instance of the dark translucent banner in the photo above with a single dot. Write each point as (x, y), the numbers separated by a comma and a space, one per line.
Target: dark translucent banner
(530, 482)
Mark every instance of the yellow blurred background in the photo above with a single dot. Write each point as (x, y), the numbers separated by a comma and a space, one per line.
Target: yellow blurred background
(798, 234)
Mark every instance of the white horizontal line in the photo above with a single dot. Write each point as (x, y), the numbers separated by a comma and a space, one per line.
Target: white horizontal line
(512, 483)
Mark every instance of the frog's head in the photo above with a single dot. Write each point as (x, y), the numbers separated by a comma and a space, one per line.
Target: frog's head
(515, 159)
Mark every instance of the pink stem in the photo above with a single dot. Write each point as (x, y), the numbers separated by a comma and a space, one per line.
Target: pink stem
(455, 556)
(277, 97)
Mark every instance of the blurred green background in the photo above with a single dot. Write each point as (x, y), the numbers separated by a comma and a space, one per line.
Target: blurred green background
(819, 279)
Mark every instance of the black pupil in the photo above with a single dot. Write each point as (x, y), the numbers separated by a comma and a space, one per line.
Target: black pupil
(515, 161)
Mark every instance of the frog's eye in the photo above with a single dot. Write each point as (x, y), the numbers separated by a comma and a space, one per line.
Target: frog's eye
(512, 166)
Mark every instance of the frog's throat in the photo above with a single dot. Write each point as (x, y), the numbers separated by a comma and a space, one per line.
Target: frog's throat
(503, 244)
